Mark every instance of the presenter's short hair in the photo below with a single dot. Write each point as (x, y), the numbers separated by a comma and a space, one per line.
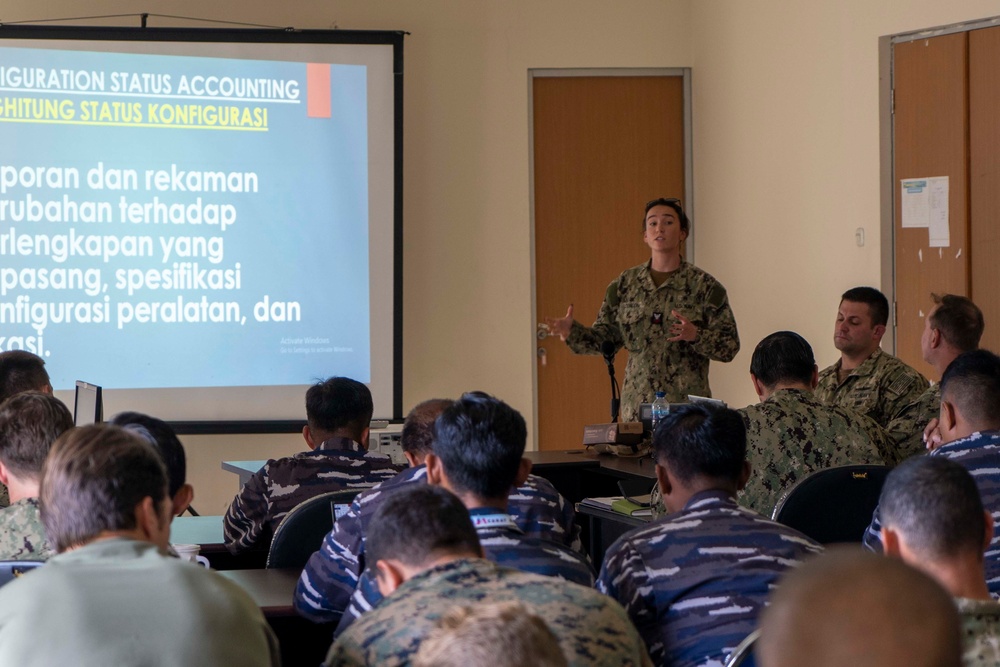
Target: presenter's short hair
(783, 356)
(164, 439)
(29, 423)
(480, 441)
(21, 370)
(92, 481)
(672, 203)
(878, 305)
(418, 428)
(972, 384)
(959, 320)
(339, 403)
(702, 440)
(419, 523)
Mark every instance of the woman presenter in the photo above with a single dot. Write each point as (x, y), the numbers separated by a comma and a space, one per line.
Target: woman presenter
(671, 316)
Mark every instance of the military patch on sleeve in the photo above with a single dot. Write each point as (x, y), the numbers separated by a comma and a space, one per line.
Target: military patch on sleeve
(717, 296)
(611, 294)
(901, 384)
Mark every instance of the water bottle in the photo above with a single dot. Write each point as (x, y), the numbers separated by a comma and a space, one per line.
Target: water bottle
(660, 408)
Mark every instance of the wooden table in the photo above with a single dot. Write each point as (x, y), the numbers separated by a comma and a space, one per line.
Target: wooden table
(602, 528)
(245, 469)
(272, 590)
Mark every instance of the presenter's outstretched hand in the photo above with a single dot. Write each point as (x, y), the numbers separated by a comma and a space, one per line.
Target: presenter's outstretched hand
(682, 329)
(560, 326)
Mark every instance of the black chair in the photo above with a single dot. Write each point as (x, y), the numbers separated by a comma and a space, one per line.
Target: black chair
(12, 569)
(742, 655)
(301, 532)
(834, 504)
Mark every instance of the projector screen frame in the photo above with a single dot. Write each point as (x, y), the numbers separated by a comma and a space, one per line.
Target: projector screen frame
(9, 34)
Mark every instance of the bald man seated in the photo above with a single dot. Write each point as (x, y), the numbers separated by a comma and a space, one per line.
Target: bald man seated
(852, 608)
(933, 519)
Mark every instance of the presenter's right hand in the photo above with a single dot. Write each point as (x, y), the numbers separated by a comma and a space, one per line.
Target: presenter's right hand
(560, 326)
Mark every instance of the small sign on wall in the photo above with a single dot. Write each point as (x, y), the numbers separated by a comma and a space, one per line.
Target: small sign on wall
(925, 204)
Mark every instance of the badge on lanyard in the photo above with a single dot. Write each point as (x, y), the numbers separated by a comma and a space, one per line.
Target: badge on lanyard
(657, 319)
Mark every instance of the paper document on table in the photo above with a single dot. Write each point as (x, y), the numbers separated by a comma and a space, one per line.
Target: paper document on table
(937, 228)
(915, 210)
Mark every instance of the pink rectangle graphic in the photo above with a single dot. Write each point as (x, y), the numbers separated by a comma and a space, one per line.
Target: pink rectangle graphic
(318, 90)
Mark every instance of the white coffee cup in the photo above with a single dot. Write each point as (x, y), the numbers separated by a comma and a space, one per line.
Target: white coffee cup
(189, 552)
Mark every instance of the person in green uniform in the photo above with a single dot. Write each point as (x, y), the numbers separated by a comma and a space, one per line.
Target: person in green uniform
(672, 317)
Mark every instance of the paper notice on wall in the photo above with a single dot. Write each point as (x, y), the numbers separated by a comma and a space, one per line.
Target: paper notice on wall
(937, 226)
(915, 208)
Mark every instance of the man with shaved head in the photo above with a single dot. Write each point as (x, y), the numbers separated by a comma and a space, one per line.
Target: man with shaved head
(849, 607)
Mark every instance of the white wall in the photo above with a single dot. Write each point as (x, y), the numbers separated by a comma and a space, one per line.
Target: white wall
(785, 153)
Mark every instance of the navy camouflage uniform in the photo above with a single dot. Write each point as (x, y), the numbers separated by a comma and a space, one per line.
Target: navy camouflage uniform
(331, 575)
(979, 453)
(695, 581)
(636, 315)
(503, 543)
(339, 464)
(907, 428)
(980, 632)
(879, 388)
(792, 434)
(592, 629)
(22, 535)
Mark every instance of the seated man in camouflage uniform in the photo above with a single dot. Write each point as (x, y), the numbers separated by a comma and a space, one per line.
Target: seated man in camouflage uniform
(29, 423)
(331, 575)
(933, 519)
(20, 370)
(790, 433)
(479, 456)
(339, 413)
(695, 581)
(866, 379)
(970, 430)
(953, 326)
(428, 559)
(848, 607)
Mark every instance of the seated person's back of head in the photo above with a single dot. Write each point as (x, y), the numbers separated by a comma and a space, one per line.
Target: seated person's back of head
(21, 370)
(168, 445)
(29, 423)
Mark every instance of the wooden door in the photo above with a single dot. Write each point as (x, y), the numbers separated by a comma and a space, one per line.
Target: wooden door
(603, 147)
(930, 128)
(984, 185)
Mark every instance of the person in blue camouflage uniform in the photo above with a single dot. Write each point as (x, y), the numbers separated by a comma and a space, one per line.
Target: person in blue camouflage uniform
(695, 581)
(866, 379)
(478, 455)
(339, 413)
(672, 317)
(790, 433)
(20, 370)
(29, 423)
(970, 430)
(428, 560)
(331, 575)
(933, 519)
(953, 326)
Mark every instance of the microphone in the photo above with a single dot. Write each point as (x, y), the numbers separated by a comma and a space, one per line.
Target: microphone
(608, 350)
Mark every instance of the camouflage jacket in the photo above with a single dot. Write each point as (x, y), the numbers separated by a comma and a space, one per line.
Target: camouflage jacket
(4, 496)
(980, 632)
(503, 543)
(339, 464)
(907, 428)
(592, 629)
(695, 581)
(22, 536)
(331, 575)
(879, 388)
(979, 454)
(792, 434)
(636, 315)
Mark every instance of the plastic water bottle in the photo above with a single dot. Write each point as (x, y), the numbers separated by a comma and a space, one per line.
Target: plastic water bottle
(660, 408)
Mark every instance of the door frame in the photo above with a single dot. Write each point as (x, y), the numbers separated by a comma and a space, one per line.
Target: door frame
(685, 74)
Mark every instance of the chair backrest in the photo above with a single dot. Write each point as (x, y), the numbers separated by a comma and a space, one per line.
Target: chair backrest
(301, 532)
(833, 504)
(12, 569)
(742, 655)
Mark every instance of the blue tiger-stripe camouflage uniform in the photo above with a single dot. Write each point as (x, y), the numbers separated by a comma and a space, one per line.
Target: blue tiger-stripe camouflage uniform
(503, 543)
(978, 453)
(592, 629)
(331, 575)
(636, 315)
(695, 581)
(338, 464)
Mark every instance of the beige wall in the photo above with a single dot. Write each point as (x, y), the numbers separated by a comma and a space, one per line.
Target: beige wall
(785, 153)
